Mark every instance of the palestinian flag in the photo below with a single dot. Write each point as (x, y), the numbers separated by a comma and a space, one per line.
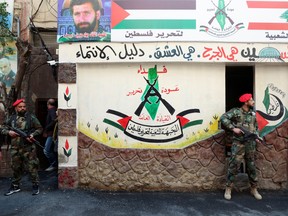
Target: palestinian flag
(146, 19)
(268, 15)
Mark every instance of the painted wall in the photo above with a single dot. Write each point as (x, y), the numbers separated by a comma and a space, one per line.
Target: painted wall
(119, 108)
(172, 52)
(106, 144)
(271, 96)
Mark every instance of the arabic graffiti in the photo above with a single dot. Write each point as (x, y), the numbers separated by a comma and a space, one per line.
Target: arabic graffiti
(170, 53)
(265, 54)
(134, 92)
(97, 52)
(94, 52)
(149, 133)
(268, 53)
(131, 53)
(276, 89)
(177, 52)
(220, 53)
(163, 90)
(143, 71)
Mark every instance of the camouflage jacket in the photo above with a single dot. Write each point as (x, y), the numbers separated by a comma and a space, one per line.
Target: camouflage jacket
(27, 123)
(237, 117)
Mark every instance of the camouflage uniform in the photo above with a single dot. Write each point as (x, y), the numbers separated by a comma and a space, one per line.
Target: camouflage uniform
(241, 149)
(23, 153)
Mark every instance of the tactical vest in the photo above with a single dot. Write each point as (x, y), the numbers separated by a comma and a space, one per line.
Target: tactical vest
(249, 123)
(27, 128)
(28, 119)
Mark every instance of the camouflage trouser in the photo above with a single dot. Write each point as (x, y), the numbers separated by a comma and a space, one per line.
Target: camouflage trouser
(24, 157)
(240, 151)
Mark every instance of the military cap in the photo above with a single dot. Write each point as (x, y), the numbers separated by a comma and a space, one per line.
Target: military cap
(18, 102)
(245, 97)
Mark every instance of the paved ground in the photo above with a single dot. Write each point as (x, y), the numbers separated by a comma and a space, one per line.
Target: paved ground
(52, 201)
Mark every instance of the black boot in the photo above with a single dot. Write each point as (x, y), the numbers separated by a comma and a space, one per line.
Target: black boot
(13, 189)
(35, 189)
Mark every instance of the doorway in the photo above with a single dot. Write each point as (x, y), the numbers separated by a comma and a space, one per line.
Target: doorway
(239, 80)
(41, 113)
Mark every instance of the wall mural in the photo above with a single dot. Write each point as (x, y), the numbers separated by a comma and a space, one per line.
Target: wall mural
(150, 100)
(152, 110)
(67, 94)
(8, 55)
(8, 63)
(275, 112)
(89, 21)
(177, 52)
(67, 151)
(181, 20)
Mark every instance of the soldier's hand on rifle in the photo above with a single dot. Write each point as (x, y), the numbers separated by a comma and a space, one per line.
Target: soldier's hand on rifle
(238, 131)
(13, 134)
(30, 139)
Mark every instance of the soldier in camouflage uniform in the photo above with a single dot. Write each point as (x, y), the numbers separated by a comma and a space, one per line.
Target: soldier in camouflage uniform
(241, 149)
(23, 150)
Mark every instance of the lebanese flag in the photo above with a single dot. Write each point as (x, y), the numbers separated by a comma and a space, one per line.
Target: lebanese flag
(268, 15)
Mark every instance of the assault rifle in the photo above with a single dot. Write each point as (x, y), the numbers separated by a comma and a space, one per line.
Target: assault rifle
(252, 136)
(24, 135)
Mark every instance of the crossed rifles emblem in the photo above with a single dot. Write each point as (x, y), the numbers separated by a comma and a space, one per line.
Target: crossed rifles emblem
(221, 10)
(152, 91)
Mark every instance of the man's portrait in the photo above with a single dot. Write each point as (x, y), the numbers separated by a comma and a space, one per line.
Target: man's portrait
(88, 18)
(86, 15)
(7, 75)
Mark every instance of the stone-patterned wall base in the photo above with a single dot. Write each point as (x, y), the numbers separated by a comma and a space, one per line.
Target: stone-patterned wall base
(272, 163)
(201, 166)
(67, 178)
(198, 167)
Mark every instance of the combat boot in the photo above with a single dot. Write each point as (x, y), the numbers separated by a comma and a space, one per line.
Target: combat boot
(227, 194)
(35, 188)
(13, 189)
(256, 194)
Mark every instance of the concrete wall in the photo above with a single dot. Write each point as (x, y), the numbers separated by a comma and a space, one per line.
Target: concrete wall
(88, 162)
